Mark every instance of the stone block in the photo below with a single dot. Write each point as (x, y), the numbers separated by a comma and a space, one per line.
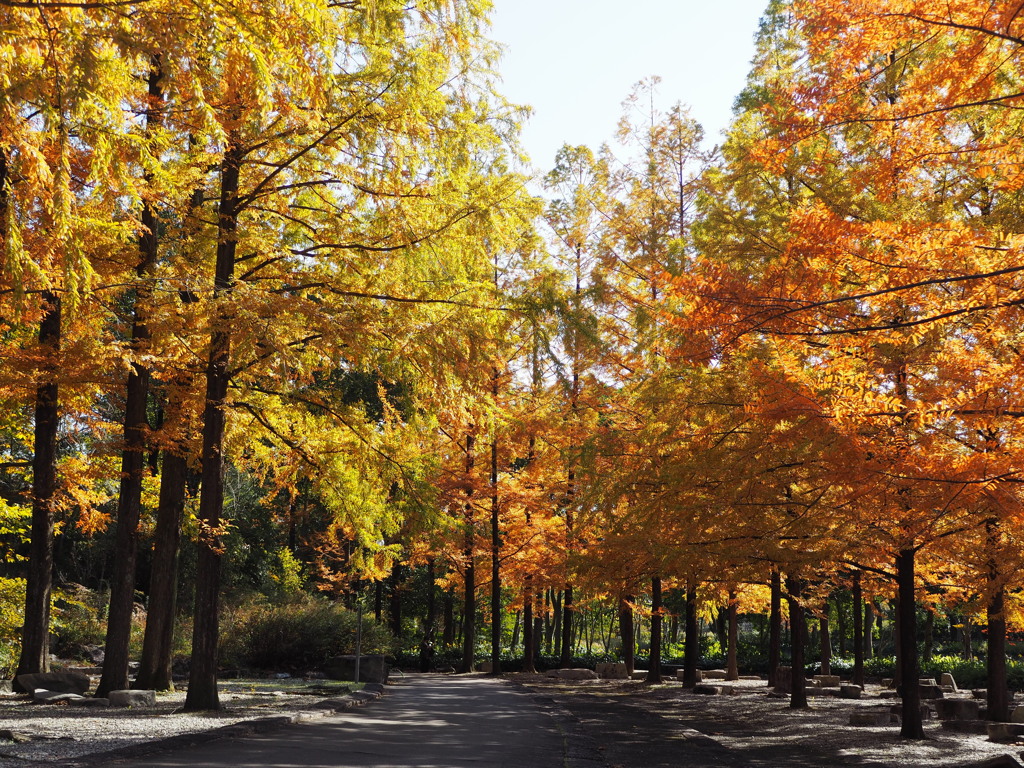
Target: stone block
(1004, 732)
(579, 673)
(927, 711)
(612, 671)
(751, 678)
(927, 681)
(6, 686)
(90, 701)
(998, 761)
(947, 679)
(930, 691)
(43, 696)
(483, 666)
(709, 690)
(373, 668)
(871, 717)
(129, 698)
(59, 682)
(784, 680)
(639, 674)
(680, 673)
(86, 670)
(966, 726)
(715, 674)
(979, 693)
(1017, 715)
(957, 709)
(849, 691)
(887, 682)
(826, 681)
(551, 673)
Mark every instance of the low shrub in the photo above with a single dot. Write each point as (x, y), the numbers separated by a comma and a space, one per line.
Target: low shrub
(296, 636)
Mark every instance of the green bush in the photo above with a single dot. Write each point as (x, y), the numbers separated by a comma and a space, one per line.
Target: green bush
(296, 636)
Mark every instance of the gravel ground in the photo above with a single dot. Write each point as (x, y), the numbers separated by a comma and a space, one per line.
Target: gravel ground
(33, 734)
(641, 726)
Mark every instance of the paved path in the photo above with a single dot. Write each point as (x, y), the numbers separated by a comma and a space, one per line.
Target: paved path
(423, 721)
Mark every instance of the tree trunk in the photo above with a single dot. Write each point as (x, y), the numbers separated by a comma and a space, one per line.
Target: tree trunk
(35, 637)
(858, 631)
(826, 642)
(691, 638)
(775, 628)
(798, 697)
(158, 641)
(566, 648)
(516, 628)
(909, 690)
(654, 660)
(129, 503)
(929, 636)
(869, 629)
(722, 628)
(529, 636)
(396, 600)
(469, 598)
(995, 658)
(732, 668)
(448, 608)
(841, 622)
(495, 555)
(627, 630)
(897, 677)
(378, 602)
(202, 686)
(427, 649)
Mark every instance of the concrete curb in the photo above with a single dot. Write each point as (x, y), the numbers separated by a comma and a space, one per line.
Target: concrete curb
(241, 729)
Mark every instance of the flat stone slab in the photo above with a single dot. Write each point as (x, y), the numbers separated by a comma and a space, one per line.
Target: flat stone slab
(957, 709)
(709, 690)
(715, 674)
(43, 696)
(999, 761)
(849, 691)
(872, 717)
(59, 682)
(681, 672)
(1005, 731)
(132, 698)
(90, 701)
(577, 673)
(966, 726)
(826, 681)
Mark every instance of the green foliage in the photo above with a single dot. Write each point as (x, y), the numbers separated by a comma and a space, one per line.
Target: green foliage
(287, 574)
(15, 526)
(296, 636)
(12, 602)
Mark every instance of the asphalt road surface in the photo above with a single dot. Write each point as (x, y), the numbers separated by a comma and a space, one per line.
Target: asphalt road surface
(423, 721)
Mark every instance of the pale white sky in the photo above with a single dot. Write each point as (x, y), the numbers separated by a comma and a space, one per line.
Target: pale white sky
(575, 61)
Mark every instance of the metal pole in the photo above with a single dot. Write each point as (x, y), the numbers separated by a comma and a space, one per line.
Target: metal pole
(359, 634)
